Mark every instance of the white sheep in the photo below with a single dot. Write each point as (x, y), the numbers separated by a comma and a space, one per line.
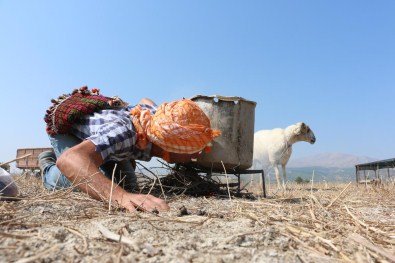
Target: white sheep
(274, 147)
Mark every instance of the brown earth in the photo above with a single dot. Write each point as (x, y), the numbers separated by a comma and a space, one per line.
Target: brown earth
(319, 223)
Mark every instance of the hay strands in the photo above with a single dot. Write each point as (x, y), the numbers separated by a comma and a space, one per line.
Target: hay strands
(337, 197)
(115, 237)
(366, 243)
(41, 254)
(13, 160)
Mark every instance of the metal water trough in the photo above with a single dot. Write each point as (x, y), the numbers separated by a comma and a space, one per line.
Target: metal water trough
(232, 152)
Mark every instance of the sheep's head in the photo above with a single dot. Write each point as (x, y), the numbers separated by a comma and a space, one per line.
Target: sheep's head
(304, 133)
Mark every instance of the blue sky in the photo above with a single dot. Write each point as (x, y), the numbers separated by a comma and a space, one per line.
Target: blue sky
(330, 64)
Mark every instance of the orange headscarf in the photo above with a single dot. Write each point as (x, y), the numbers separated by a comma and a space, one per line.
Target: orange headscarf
(177, 127)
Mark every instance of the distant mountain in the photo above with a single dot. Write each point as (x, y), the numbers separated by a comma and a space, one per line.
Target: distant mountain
(329, 174)
(329, 160)
(325, 167)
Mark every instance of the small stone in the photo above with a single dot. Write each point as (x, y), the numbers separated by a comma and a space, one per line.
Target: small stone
(183, 211)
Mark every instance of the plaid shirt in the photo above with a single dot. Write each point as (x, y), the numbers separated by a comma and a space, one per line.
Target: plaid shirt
(113, 133)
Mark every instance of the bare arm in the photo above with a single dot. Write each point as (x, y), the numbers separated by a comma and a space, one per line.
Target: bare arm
(80, 164)
(147, 101)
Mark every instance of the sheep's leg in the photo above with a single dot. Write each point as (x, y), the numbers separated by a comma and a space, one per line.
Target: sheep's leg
(284, 177)
(277, 172)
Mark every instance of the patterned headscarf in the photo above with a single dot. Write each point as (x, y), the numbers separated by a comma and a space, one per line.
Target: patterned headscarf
(177, 127)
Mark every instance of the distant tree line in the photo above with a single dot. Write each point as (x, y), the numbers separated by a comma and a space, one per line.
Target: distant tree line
(300, 180)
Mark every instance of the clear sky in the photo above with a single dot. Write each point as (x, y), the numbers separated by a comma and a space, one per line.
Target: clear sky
(328, 63)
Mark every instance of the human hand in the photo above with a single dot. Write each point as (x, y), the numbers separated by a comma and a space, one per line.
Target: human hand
(147, 203)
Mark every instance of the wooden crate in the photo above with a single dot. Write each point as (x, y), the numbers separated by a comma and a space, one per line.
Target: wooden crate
(30, 162)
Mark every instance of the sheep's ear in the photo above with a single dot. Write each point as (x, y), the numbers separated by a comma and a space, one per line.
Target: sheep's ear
(304, 127)
(299, 129)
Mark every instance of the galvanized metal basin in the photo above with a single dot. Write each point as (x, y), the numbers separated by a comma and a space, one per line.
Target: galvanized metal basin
(235, 118)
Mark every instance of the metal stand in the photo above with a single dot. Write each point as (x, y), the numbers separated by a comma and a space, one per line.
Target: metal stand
(237, 173)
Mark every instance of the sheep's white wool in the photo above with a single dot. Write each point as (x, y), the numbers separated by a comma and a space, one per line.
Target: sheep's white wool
(273, 148)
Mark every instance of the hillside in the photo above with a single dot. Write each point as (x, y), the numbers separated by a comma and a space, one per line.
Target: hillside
(339, 160)
(329, 174)
(330, 167)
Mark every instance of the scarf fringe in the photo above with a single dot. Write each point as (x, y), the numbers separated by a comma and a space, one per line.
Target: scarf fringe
(70, 108)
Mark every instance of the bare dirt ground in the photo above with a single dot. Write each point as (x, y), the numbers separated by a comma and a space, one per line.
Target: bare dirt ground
(319, 223)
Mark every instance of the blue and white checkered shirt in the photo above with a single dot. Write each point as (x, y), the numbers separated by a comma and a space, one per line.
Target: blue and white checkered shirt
(113, 133)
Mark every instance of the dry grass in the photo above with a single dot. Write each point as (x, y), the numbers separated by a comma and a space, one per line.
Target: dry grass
(325, 223)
